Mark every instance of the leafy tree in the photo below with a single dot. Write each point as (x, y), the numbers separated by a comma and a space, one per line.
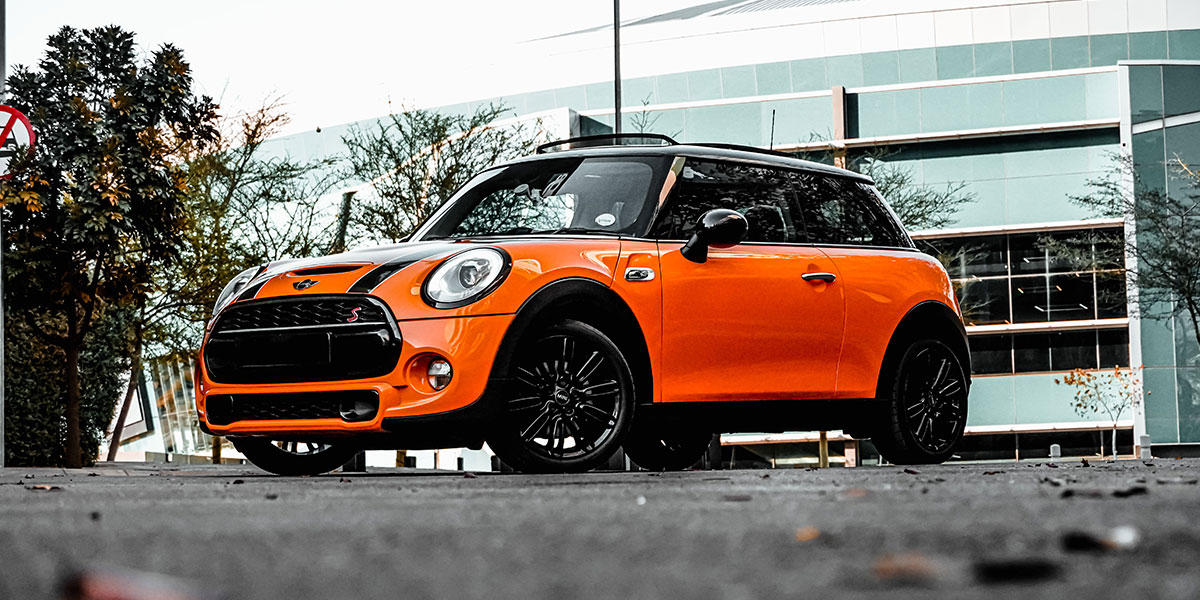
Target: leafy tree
(1165, 242)
(1110, 392)
(35, 388)
(98, 206)
(414, 161)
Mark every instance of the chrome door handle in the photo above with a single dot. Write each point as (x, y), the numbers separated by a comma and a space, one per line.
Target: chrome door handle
(826, 277)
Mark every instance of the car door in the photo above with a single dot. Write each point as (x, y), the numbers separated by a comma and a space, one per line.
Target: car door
(745, 324)
(882, 274)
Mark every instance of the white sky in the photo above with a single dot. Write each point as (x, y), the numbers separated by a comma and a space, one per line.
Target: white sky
(335, 62)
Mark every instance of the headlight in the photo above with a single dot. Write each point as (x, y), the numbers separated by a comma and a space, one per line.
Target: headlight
(465, 277)
(233, 287)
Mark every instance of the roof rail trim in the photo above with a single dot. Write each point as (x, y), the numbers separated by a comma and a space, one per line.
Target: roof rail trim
(754, 149)
(612, 137)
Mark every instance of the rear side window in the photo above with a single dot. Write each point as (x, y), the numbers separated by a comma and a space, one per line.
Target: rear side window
(839, 210)
(761, 194)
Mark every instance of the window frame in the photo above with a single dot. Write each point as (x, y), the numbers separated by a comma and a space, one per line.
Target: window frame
(798, 216)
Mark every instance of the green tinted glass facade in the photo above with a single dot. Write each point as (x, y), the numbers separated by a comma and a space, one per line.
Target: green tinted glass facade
(1165, 129)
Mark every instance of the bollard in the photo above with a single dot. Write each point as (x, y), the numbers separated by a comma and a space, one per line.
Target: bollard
(823, 452)
(216, 450)
(1144, 447)
(851, 454)
(1055, 452)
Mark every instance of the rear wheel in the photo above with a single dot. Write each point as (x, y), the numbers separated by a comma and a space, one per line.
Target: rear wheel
(658, 447)
(569, 402)
(285, 457)
(928, 412)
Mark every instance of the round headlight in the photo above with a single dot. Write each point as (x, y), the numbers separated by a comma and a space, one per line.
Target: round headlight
(465, 277)
(233, 287)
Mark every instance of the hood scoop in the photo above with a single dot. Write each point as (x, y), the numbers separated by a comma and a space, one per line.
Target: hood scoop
(313, 271)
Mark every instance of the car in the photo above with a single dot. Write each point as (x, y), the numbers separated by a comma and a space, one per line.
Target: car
(603, 293)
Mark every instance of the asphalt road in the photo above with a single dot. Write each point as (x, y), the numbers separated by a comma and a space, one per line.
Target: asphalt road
(1107, 530)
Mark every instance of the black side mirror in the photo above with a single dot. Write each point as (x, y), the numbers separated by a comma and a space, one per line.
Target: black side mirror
(719, 227)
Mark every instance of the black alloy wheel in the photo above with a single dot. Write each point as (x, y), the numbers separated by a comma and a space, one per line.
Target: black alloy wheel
(929, 407)
(569, 402)
(293, 458)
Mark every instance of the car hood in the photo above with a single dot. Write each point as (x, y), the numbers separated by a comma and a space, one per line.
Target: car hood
(358, 271)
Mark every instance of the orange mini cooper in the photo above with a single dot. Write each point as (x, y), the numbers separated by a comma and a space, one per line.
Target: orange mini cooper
(592, 297)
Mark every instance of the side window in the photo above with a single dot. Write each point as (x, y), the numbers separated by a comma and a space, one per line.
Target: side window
(838, 210)
(759, 193)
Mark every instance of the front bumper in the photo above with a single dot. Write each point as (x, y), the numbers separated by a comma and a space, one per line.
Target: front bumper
(470, 345)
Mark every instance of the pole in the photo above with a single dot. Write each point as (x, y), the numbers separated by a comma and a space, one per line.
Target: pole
(617, 66)
(3, 84)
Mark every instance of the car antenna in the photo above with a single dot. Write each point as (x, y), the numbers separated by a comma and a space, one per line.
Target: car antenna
(772, 146)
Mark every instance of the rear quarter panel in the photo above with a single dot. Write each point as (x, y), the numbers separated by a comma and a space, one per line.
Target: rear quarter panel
(881, 286)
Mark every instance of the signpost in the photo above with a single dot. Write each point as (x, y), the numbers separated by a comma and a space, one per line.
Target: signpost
(16, 133)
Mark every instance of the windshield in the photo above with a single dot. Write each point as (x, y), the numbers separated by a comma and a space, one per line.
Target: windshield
(611, 196)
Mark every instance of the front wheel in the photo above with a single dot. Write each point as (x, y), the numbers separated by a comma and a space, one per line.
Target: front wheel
(568, 403)
(294, 458)
(928, 412)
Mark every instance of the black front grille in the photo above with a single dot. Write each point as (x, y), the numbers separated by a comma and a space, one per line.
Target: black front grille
(349, 405)
(312, 338)
(275, 313)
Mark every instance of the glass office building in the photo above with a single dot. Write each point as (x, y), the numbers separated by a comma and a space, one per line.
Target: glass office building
(1024, 102)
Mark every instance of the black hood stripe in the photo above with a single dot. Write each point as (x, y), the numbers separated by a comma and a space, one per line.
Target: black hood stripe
(378, 275)
(252, 291)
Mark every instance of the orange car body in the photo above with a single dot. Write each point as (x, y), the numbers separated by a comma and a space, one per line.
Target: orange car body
(741, 328)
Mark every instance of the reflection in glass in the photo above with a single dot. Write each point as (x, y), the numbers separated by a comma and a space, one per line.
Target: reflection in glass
(981, 256)
(1031, 352)
(1073, 350)
(760, 194)
(1030, 298)
(601, 195)
(1114, 348)
(1027, 254)
(991, 354)
(1070, 297)
(1110, 295)
(983, 301)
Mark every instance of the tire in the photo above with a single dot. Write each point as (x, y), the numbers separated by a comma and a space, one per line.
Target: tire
(660, 447)
(569, 402)
(928, 410)
(286, 458)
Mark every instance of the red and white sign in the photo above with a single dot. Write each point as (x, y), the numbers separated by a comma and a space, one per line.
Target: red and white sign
(17, 133)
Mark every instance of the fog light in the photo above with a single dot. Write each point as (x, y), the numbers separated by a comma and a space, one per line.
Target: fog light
(439, 373)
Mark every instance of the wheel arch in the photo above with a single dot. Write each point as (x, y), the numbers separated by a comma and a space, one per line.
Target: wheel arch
(928, 319)
(588, 301)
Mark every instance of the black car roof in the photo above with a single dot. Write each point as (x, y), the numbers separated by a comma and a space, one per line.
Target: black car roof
(695, 151)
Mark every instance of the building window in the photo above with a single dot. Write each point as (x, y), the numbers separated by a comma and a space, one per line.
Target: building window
(1049, 278)
(1009, 353)
(1034, 278)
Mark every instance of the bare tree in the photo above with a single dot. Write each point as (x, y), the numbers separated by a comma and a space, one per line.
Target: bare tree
(918, 205)
(1110, 393)
(415, 160)
(1165, 242)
